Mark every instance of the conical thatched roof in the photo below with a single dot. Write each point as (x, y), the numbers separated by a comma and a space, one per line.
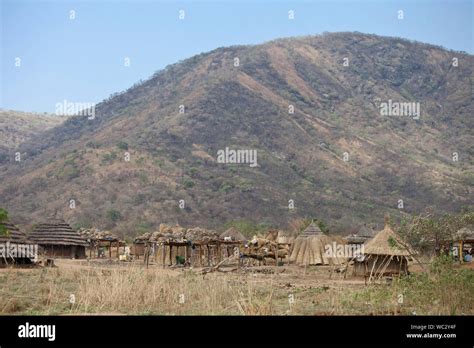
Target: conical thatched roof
(312, 250)
(234, 234)
(363, 235)
(387, 242)
(56, 232)
(309, 248)
(312, 230)
(366, 232)
(14, 235)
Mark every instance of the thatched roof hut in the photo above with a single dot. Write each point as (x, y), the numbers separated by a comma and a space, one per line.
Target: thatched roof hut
(13, 235)
(387, 242)
(312, 230)
(364, 234)
(59, 239)
(310, 247)
(385, 254)
(15, 247)
(234, 234)
(56, 232)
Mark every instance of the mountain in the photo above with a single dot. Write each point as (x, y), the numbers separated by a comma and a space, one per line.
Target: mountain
(17, 127)
(342, 156)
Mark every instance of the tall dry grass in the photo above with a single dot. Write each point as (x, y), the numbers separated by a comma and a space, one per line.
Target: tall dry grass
(151, 292)
(133, 290)
(154, 291)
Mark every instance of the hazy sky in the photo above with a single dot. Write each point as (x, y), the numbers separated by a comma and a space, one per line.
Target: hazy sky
(82, 59)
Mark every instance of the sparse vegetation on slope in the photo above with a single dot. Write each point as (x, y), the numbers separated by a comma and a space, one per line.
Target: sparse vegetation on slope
(172, 155)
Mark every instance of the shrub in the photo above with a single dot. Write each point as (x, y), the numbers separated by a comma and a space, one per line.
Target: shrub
(187, 183)
(122, 145)
(109, 157)
(193, 172)
(93, 145)
(114, 215)
(226, 187)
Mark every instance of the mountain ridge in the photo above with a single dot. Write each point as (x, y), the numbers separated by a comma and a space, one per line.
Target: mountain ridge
(301, 155)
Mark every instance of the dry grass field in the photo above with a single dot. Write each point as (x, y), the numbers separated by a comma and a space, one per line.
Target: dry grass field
(131, 289)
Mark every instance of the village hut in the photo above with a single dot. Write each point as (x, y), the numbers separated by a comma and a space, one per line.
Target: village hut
(139, 244)
(176, 246)
(384, 255)
(463, 241)
(99, 241)
(233, 234)
(13, 234)
(364, 234)
(59, 240)
(15, 247)
(284, 238)
(312, 245)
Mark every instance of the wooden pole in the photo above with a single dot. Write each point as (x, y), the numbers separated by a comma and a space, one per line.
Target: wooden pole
(200, 255)
(192, 257)
(110, 249)
(373, 266)
(163, 249)
(208, 256)
(381, 273)
(148, 256)
(185, 254)
(238, 257)
(171, 257)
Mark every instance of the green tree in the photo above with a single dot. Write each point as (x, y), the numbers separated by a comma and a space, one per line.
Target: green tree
(424, 230)
(322, 225)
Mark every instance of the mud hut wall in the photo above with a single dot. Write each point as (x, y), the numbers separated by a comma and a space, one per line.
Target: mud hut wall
(64, 251)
